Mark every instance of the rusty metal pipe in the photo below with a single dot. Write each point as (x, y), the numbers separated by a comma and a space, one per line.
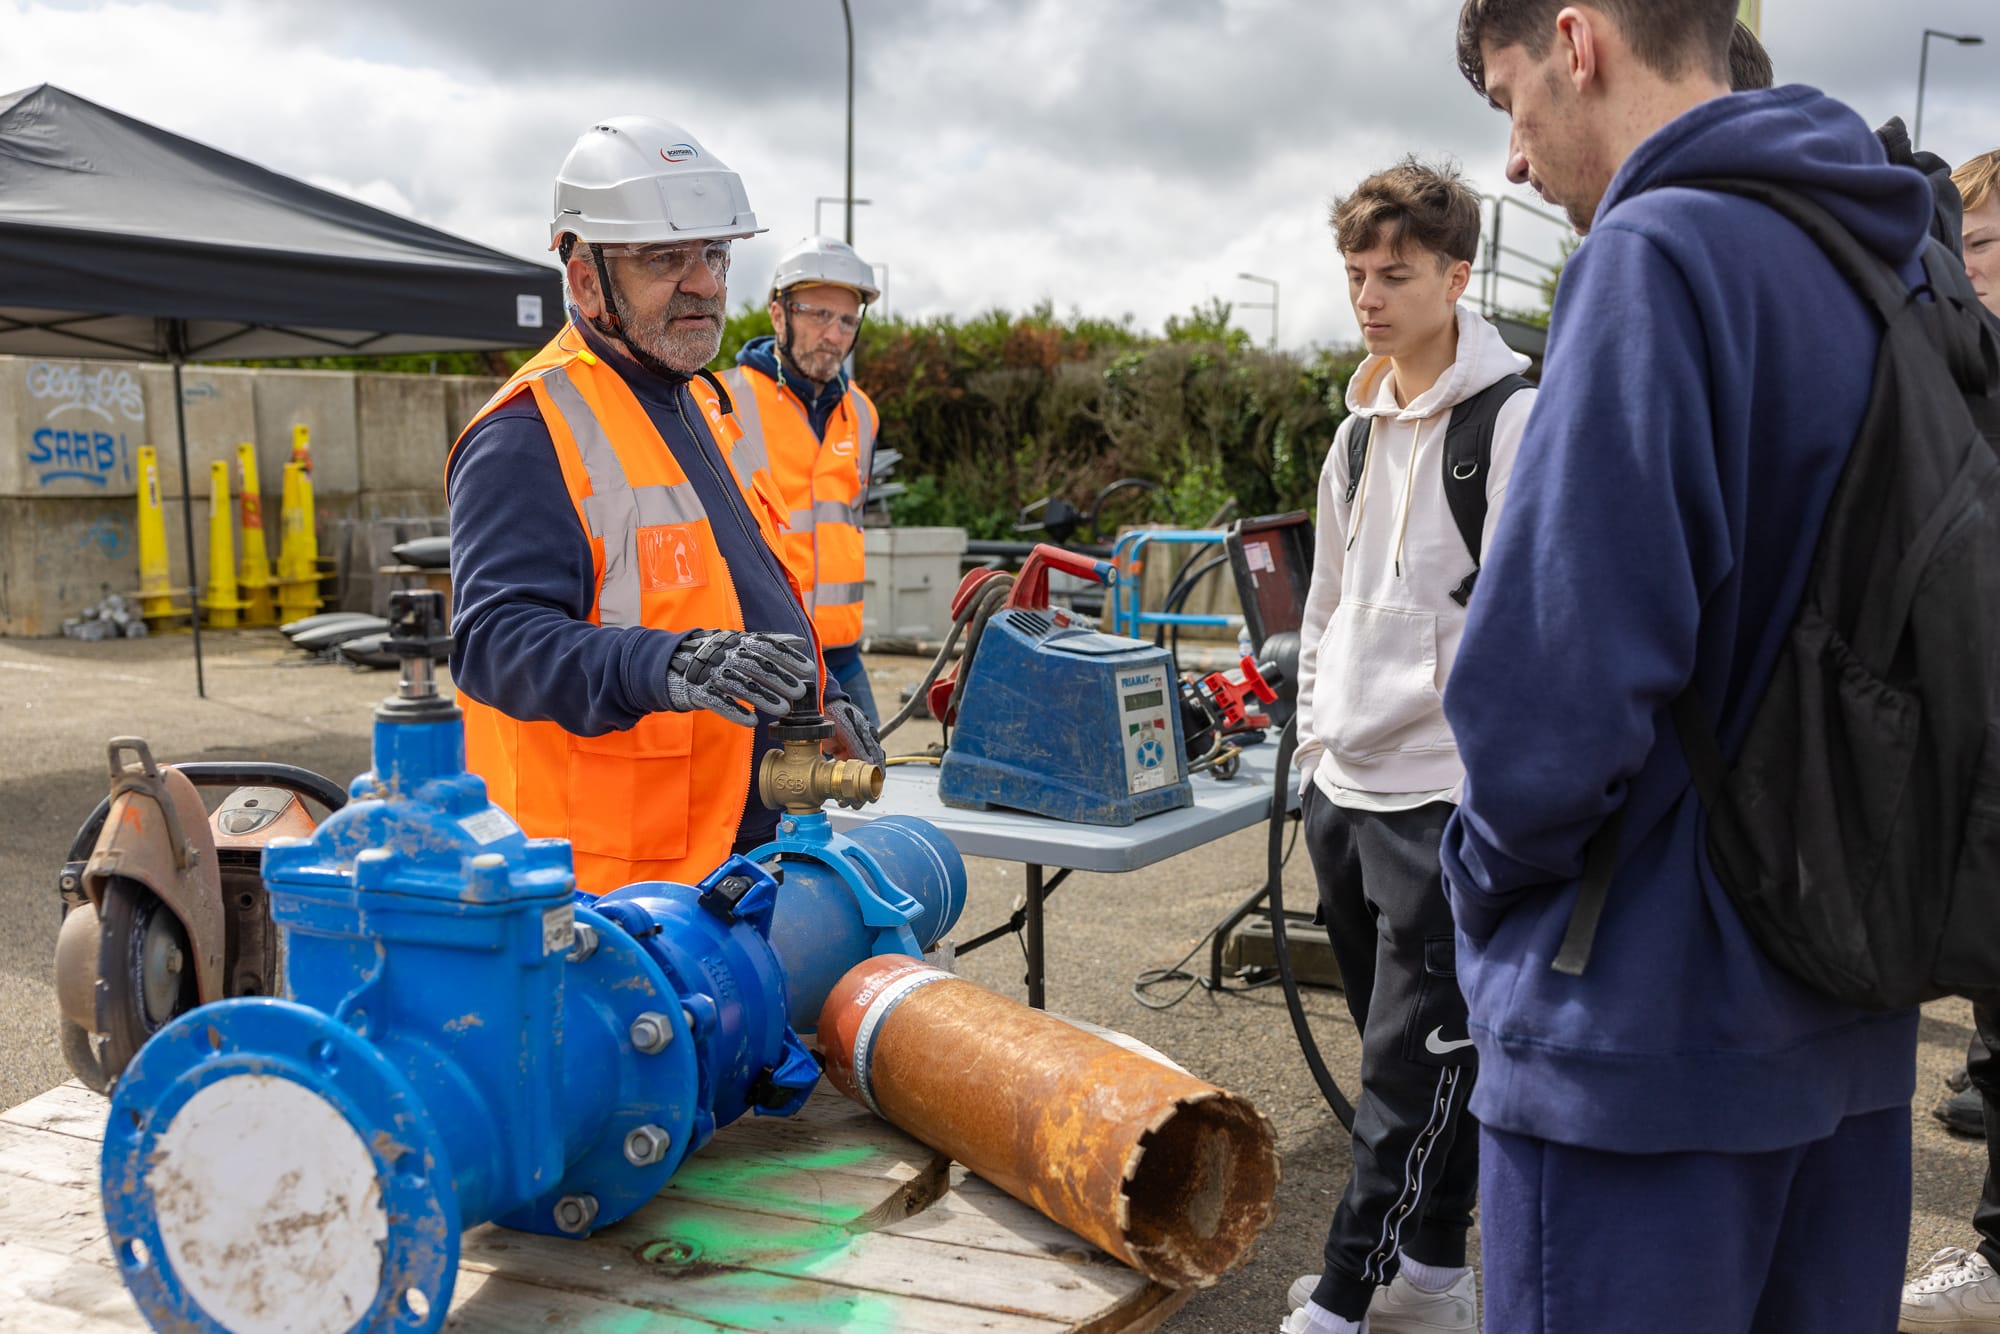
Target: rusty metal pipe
(1172, 1175)
(797, 778)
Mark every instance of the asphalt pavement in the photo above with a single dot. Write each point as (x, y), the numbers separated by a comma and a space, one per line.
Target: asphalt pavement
(61, 701)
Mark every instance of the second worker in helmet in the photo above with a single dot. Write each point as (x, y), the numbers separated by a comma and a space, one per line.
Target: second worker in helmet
(624, 631)
(818, 431)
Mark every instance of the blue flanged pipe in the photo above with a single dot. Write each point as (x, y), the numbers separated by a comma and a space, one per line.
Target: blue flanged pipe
(464, 1041)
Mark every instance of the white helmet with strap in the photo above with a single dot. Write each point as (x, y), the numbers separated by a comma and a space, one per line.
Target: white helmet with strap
(644, 180)
(824, 260)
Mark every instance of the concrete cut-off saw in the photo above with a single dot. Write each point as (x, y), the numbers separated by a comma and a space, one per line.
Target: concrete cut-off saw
(164, 907)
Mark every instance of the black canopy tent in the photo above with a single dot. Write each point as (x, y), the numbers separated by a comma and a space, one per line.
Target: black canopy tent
(118, 239)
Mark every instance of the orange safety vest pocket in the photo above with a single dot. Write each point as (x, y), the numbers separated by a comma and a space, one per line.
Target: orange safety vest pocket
(671, 555)
(631, 790)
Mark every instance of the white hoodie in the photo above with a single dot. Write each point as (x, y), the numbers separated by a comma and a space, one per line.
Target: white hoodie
(1380, 629)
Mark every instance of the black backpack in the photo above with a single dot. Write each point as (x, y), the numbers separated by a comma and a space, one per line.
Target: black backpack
(1858, 832)
(1468, 455)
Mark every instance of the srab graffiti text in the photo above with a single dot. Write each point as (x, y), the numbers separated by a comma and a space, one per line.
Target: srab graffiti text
(82, 456)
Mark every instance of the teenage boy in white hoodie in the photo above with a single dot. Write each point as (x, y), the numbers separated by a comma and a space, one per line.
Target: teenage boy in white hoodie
(1407, 500)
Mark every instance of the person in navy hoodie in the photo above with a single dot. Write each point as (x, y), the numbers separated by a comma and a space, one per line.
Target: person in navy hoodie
(1682, 1138)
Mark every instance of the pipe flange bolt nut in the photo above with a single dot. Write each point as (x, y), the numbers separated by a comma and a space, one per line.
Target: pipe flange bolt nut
(647, 1145)
(575, 1213)
(651, 1032)
(584, 943)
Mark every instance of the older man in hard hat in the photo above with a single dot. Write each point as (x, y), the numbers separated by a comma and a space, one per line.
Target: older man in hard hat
(624, 631)
(818, 430)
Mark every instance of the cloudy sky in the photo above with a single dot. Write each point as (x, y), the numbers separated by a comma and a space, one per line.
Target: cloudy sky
(1112, 156)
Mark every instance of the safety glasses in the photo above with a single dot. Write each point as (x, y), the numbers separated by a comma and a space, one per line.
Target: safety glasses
(820, 317)
(671, 263)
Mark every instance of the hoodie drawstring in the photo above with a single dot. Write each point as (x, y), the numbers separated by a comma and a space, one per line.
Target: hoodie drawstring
(1409, 488)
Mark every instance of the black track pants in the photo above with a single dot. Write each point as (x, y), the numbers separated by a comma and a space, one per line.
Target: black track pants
(1416, 1155)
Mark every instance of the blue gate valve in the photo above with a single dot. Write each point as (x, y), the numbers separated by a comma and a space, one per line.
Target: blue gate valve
(462, 1041)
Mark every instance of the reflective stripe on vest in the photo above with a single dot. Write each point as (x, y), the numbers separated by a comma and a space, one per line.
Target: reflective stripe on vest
(615, 510)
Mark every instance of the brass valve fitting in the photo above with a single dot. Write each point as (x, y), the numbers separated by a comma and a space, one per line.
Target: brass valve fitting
(799, 780)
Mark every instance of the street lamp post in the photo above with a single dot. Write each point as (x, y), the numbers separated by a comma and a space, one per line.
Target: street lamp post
(1271, 305)
(847, 15)
(1923, 71)
(837, 199)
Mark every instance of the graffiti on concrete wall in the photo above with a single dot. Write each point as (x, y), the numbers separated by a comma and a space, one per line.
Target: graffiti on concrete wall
(108, 537)
(86, 412)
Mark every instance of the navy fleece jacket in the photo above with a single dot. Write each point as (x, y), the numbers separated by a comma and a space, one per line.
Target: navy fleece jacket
(1706, 375)
(523, 583)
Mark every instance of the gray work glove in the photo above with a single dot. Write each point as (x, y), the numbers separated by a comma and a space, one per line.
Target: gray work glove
(722, 670)
(853, 735)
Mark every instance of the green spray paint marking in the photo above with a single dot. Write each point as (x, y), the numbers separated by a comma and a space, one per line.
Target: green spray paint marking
(751, 1182)
(719, 1291)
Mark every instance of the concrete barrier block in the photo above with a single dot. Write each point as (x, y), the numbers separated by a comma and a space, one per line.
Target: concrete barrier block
(60, 554)
(70, 428)
(404, 434)
(420, 504)
(324, 403)
(220, 403)
(465, 395)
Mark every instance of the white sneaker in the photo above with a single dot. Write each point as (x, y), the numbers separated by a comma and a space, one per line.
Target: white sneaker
(1404, 1308)
(1958, 1293)
(1300, 1323)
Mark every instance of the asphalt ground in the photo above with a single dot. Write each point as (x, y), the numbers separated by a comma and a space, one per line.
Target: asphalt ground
(61, 701)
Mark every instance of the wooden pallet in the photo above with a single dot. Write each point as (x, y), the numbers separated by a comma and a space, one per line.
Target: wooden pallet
(828, 1221)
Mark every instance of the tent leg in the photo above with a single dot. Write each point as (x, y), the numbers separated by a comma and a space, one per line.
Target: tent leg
(187, 524)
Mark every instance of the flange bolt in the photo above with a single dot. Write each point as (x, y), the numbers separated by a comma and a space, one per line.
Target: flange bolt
(651, 1032)
(575, 1213)
(647, 1145)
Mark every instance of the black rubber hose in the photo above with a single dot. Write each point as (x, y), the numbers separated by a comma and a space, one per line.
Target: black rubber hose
(1280, 946)
(992, 594)
(1179, 597)
(1178, 589)
(917, 700)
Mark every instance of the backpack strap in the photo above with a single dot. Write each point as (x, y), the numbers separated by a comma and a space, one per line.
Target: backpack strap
(1468, 457)
(1868, 273)
(1600, 858)
(1357, 455)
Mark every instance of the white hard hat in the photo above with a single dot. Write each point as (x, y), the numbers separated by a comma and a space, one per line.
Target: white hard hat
(822, 259)
(640, 179)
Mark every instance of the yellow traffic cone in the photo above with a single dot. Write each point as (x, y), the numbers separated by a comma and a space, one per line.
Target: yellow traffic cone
(222, 604)
(253, 575)
(302, 453)
(298, 547)
(156, 593)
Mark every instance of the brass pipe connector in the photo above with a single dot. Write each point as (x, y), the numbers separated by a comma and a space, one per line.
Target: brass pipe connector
(799, 780)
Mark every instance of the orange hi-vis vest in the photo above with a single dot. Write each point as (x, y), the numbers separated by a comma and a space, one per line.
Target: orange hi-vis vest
(661, 800)
(824, 487)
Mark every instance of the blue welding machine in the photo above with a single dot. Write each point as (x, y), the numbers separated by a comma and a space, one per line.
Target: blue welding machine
(1058, 719)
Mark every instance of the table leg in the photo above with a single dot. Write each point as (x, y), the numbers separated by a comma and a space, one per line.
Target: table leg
(1035, 990)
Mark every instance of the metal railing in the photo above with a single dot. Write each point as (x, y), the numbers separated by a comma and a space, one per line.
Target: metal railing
(1502, 263)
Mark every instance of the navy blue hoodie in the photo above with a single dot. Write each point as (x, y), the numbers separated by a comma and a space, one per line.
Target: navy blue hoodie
(1706, 375)
(523, 582)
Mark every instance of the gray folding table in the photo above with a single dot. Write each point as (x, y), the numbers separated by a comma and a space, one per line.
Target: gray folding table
(1221, 806)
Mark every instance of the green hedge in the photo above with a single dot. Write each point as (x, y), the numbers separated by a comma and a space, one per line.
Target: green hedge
(997, 411)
